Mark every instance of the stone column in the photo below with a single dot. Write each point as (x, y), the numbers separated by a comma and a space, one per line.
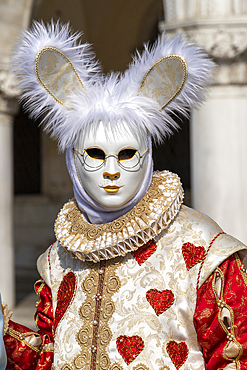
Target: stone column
(14, 14)
(8, 108)
(219, 127)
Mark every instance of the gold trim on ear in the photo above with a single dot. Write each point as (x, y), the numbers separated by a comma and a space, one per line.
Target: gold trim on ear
(56, 73)
(165, 79)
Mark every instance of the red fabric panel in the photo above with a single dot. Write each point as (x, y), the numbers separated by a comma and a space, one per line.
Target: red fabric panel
(211, 335)
(20, 354)
(44, 313)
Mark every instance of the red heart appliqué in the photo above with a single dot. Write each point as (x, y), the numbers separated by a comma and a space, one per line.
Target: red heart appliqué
(144, 252)
(178, 352)
(160, 300)
(192, 254)
(129, 347)
(64, 296)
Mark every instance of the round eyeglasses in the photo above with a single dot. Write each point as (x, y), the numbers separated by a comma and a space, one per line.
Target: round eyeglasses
(95, 157)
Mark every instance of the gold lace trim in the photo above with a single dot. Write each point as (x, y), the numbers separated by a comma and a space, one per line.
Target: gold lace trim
(95, 334)
(153, 213)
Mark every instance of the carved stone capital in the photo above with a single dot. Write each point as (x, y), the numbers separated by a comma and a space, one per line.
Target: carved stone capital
(8, 93)
(221, 43)
(8, 86)
(226, 44)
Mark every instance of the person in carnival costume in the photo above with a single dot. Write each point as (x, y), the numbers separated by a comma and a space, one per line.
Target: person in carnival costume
(135, 279)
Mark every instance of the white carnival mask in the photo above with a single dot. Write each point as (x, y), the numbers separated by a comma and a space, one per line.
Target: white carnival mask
(111, 167)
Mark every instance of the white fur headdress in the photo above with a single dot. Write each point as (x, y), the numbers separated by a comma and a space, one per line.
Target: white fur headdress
(61, 78)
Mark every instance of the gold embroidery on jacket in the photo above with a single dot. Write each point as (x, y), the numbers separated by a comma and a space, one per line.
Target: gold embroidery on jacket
(95, 334)
(65, 367)
(142, 367)
(116, 366)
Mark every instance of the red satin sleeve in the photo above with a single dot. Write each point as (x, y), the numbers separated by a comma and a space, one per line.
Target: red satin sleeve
(20, 354)
(220, 317)
(44, 322)
(44, 313)
(27, 349)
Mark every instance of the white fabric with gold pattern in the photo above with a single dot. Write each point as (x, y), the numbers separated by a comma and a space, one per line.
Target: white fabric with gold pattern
(57, 74)
(164, 81)
(125, 310)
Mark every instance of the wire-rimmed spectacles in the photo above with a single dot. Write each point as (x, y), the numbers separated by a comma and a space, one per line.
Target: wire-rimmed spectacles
(96, 157)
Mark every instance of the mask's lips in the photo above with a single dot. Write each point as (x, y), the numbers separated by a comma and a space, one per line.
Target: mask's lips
(111, 189)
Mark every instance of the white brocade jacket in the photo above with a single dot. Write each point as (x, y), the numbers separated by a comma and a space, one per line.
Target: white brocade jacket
(124, 294)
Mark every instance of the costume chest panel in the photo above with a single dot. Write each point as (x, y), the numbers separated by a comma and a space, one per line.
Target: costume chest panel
(125, 312)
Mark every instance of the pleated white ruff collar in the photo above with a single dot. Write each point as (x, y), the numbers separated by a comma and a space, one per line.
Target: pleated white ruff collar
(91, 242)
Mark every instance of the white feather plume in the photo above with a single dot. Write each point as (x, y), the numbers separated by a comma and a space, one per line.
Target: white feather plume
(114, 99)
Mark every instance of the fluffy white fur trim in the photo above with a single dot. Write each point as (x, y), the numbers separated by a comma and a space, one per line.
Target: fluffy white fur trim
(36, 99)
(199, 67)
(114, 99)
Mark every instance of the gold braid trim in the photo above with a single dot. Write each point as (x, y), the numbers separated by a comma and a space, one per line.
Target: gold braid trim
(153, 213)
(227, 327)
(22, 338)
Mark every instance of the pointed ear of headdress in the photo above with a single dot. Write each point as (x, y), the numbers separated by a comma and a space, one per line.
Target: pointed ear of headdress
(164, 80)
(175, 74)
(57, 74)
(51, 66)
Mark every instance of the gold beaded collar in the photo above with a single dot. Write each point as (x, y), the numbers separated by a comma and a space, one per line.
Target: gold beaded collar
(127, 233)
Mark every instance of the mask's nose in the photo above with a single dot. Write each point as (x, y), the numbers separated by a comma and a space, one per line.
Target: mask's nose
(111, 169)
(111, 176)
